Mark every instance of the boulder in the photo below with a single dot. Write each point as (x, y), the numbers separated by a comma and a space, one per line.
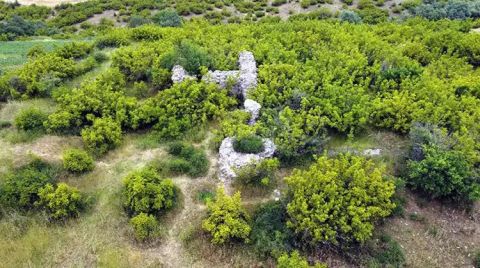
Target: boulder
(230, 160)
(222, 78)
(253, 108)
(179, 74)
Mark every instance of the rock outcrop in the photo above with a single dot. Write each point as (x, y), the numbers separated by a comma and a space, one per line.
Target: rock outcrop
(253, 108)
(230, 160)
(179, 74)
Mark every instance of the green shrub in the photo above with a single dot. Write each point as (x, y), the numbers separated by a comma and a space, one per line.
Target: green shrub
(206, 196)
(144, 226)
(145, 191)
(5, 124)
(258, 172)
(103, 135)
(74, 50)
(31, 119)
(76, 160)
(190, 160)
(227, 220)
(249, 145)
(20, 188)
(61, 202)
(444, 173)
(270, 235)
(112, 39)
(100, 57)
(167, 18)
(189, 56)
(350, 16)
(350, 187)
(294, 260)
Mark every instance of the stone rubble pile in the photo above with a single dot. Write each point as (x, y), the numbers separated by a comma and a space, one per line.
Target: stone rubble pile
(244, 80)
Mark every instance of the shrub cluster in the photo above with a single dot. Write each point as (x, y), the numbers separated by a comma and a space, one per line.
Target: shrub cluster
(350, 187)
(31, 119)
(32, 186)
(258, 172)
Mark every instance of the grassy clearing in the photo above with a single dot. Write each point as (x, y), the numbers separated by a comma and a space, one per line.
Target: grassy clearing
(14, 53)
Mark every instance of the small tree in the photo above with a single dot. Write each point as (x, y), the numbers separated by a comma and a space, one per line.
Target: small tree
(167, 18)
(61, 202)
(145, 191)
(444, 173)
(145, 226)
(350, 16)
(226, 219)
(76, 160)
(338, 199)
(103, 135)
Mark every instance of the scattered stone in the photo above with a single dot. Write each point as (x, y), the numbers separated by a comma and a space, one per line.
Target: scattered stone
(223, 78)
(179, 74)
(372, 152)
(276, 195)
(230, 160)
(253, 108)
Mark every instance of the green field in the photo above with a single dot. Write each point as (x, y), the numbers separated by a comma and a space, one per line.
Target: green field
(14, 53)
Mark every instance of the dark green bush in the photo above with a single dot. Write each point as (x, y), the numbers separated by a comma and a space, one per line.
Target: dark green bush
(444, 173)
(167, 18)
(270, 235)
(145, 191)
(144, 226)
(189, 56)
(76, 160)
(190, 160)
(20, 188)
(100, 57)
(31, 119)
(249, 145)
(74, 50)
(61, 202)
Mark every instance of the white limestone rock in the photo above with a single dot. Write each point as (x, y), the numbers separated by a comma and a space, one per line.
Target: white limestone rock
(372, 152)
(179, 74)
(248, 72)
(253, 108)
(230, 160)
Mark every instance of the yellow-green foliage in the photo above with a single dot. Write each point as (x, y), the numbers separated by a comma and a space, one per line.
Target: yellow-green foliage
(338, 199)
(145, 191)
(76, 160)
(294, 260)
(144, 226)
(61, 201)
(227, 220)
(103, 135)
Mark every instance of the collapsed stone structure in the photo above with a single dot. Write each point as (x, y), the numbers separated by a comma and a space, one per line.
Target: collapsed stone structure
(242, 80)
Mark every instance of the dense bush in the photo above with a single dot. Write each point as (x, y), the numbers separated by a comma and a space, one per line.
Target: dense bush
(103, 135)
(62, 201)
(167, 18)
(112, 39)
(144, 226)
(270, 235)
(103, 97)
(189, 56)
(182, 107)
(444, 174)
(349, 187)
(248, 145)
(258, 172)
(17, 26)
(145, 191)
(350, 16)
(227, 220)
(31, 119)
(20, 188)
(74, 50)
(76, 160)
